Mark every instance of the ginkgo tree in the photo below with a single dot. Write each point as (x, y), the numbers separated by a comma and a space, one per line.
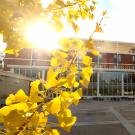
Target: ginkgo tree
(69, 73)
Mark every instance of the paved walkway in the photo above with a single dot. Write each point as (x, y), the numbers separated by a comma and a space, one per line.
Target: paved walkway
(104, 118)
(125, 123)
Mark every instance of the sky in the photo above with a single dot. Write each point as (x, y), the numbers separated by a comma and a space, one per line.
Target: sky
(119, 25)
(2, 45)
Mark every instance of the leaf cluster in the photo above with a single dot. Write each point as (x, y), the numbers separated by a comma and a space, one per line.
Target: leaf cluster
(70, 67)
(14, 16)
(29, 114)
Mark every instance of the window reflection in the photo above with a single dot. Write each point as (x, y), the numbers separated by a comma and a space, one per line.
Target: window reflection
(92, 89)
(33, 73)
(110, 83)
(129, 84)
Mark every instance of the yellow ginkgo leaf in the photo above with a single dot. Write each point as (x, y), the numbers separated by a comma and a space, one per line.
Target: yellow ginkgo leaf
(85, 82)
(65, 95)
(54, 106)
(55, 132)
(20, 107)
(10, 99)
(91, 16)
(77, 96)
(94, 2)
(90, 43)
(60, 2)
(70, 80)
(47, 132)
(32, 106)
(14, 119)
(95, 52)
(1, 119)
(104, 12)
(98, 28)
(65, 104)
(52, 78)
(86, 60)
(88, 70)
(42, 120)
(34, 92)
(59, 54)
(20, 96)
(92, 8)
(34, 87)
(75, 27)
(51, 132)
(54, 62)
(34, 120)
(38, 120)
(65, 44)
(9, 51)
(73, 68)
(76, 44)
(83, 14)
(67, 122)
(67, 113)
(4, 111)
(23, 107)
(76, 84)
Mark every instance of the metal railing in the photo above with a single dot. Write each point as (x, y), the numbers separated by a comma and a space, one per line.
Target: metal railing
(44, 62)
(113, 66)
(95, 64)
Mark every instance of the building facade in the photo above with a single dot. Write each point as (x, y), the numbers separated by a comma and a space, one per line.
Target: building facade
(114, 69)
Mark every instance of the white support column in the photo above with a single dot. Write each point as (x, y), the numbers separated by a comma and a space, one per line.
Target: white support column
(31, 59)
(122, 84)
(12, 70)
(98, 79)
(43, 74)
(98, 59)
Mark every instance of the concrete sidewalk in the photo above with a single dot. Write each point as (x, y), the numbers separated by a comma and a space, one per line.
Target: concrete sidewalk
(104, 118)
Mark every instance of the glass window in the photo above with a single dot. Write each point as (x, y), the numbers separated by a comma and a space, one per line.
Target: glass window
(34, 73)
(28, 72)
(133, 78)
(22, 71)
(110, 83)
(95, 59)
(34, 53)
(92, 89)
(101, 58)
(133, 59)
(16, 70)
(129, 84)
(115, 58)
(119, 58)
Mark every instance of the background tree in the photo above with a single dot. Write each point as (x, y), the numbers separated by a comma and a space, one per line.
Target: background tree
(70, 67)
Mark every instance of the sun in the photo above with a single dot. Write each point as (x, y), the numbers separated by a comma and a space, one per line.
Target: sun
(41, 35)
(45, 3)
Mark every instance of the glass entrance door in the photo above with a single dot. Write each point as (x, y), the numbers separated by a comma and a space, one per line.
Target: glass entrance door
(110, 84)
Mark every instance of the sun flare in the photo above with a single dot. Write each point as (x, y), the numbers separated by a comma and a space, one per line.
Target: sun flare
(45, 3)
(42, 35)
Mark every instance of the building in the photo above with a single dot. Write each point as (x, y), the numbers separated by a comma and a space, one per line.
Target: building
(114, 69)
